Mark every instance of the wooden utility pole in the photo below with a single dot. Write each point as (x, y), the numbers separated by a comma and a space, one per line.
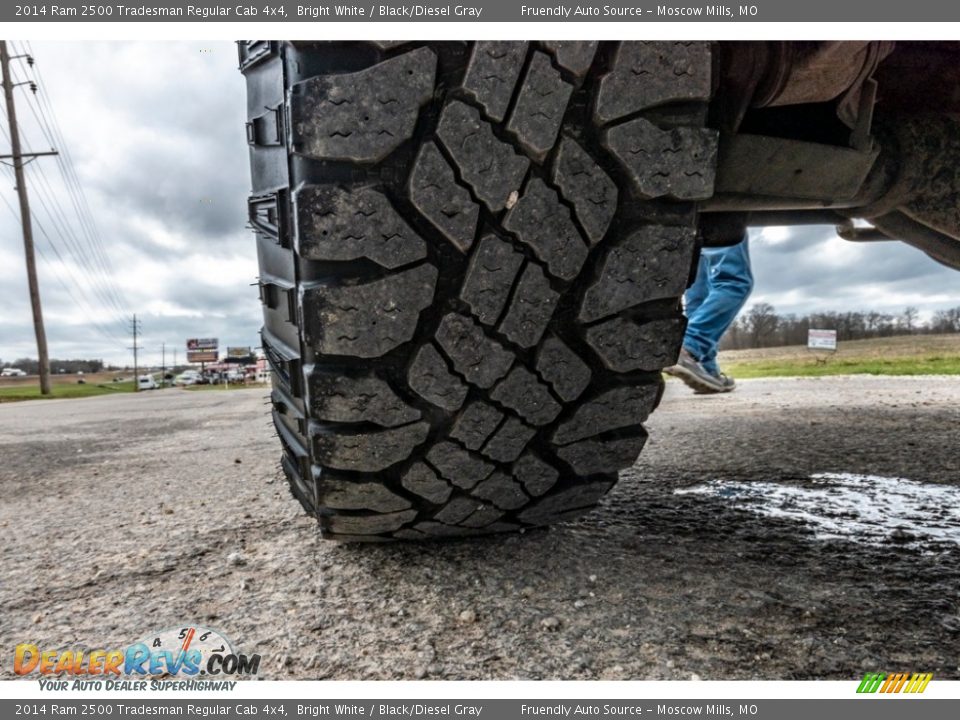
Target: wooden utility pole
(28, 251)
(135, 328)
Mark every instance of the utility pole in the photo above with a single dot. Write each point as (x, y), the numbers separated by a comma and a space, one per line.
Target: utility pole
(135, 329)
(17, 156)
(163, 366)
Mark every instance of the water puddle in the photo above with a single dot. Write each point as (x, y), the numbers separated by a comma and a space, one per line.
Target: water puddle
(842, 506)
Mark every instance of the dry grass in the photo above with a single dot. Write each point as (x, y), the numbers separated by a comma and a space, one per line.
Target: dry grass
(905, 355)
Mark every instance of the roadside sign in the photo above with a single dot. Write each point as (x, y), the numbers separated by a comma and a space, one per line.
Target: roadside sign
(200, 350)
(822, 339)
(239, 352)
(203, 343)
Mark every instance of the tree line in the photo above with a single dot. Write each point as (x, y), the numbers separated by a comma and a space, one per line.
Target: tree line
(32, 367)
(761, 326)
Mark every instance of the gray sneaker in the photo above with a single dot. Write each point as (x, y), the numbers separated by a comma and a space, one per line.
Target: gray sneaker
(697, 377)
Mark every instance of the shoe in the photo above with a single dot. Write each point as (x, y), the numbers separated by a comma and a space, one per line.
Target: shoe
(697, 378)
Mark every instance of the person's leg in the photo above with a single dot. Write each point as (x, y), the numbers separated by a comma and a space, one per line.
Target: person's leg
(697, 292)
(730, 282)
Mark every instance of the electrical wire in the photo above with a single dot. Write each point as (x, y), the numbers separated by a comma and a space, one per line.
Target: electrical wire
(97, 260)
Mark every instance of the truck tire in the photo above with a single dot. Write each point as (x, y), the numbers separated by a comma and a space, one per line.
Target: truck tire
(471, 263)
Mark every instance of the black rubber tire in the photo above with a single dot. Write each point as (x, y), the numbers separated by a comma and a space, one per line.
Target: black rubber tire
(472, 257)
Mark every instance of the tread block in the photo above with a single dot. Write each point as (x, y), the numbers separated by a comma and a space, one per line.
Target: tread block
(649, 264)
(543, 223)
(618, 408)
(353, 495)
(522, 391)
(486, 164)
(535, 474)
(476, 357)
(578, 497)
(567, 374)
(334, 224)
(624, 346)
(409, 534)
(458, 466)
(584, 183)
(573, 55)
(589, 457)
(490, 275)
(482, 516)
(434, 191)
(422, 480)
(429, 377)
(458, 509)
(531, 309)
(678, 163)
(501, 490)
(543, 98)
(369, 524)
(509, 441)
(370, 319)
(492, 74)
(648, 74)
(339, 398)
(362, 116)
(368, 451)
(475, 424)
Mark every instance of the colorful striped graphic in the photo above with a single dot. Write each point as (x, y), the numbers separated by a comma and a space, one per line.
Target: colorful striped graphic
(894, 683)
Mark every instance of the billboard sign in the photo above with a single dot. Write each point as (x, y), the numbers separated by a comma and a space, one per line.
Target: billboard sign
(239, 353)
(203, 343)
(202, 350)
(822, 339)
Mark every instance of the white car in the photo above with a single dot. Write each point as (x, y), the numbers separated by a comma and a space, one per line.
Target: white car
(146, 382)
(12, 372)
(188, 377)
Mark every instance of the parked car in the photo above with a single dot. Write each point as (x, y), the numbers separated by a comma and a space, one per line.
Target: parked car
(12, 372)
(146, 382)
(188, 377)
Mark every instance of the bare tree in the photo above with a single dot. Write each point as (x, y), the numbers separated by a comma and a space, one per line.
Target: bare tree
(762, 321)
(908, 319)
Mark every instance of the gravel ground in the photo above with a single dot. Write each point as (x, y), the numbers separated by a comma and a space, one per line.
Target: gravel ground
(124, 514)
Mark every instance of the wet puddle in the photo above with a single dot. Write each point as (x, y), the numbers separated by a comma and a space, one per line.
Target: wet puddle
(861, 508)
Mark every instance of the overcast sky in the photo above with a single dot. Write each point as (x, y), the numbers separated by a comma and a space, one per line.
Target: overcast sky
(156, 132)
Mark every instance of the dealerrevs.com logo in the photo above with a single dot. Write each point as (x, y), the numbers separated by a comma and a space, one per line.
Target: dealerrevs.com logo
(188, 653)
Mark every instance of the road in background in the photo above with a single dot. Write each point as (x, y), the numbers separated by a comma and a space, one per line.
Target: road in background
(716, 557)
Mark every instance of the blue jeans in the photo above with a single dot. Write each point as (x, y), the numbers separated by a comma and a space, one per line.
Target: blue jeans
(723, 284)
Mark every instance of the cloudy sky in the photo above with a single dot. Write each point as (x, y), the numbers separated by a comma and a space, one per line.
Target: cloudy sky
(155, 131)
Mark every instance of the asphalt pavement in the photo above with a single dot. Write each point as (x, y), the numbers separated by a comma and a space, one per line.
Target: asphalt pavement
(796, 528)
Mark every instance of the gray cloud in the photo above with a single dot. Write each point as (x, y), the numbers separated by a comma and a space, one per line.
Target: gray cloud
(156, 134)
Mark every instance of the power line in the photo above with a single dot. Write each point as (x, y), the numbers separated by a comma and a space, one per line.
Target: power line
(43, 360)
(80, 302)
(135, 329)
(69, 172)
(62, 226)
(94, 260)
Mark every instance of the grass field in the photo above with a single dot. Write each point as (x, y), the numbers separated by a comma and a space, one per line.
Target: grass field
(907, 355)
(31, 390)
